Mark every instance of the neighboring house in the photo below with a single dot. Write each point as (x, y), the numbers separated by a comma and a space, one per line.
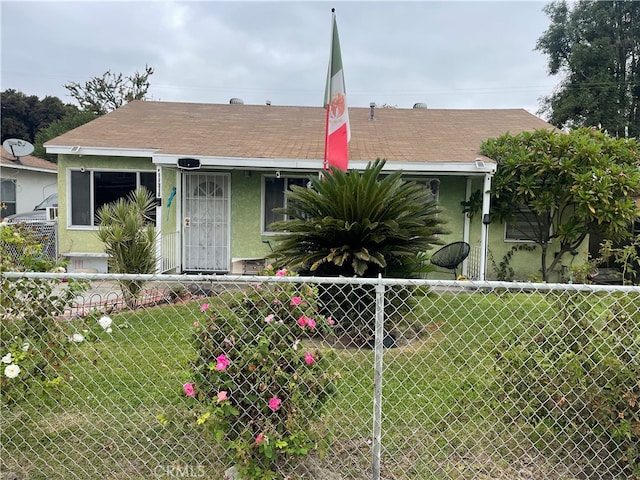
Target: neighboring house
(219, 170)
(25, 182)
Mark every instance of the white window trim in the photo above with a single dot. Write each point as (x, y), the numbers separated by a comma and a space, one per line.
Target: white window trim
(263, 230)
(515, 240)
(70, 226)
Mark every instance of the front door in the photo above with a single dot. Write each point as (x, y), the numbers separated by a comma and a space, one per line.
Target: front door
(206, 222)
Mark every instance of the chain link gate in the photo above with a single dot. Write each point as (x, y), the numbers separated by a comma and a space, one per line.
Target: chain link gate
(429, 379)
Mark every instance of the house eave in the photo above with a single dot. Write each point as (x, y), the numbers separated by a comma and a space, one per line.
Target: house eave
(473, 167)
(17, 166)
(100, 151)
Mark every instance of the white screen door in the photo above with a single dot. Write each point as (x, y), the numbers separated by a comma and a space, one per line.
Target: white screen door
(206, 222)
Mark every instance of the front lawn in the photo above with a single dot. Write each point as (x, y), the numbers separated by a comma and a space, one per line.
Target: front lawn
(121, 415)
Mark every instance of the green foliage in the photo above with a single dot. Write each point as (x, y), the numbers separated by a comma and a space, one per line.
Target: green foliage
(578, 377)
(595, 46)
(577, 183)
(362, 224)
(22, 251)
(101, 95)
(33, 343)
(627, 256)
(257, 387)
(503, 270)
(473, 205)
(23, 116)
(129, 236)
(71, 120)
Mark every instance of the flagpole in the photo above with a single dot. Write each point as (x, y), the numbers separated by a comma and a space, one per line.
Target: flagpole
(325, 162)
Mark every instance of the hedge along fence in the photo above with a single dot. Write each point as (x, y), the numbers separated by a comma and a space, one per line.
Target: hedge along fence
(442, 380)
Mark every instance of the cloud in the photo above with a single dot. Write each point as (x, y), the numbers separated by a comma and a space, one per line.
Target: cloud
(446, 54)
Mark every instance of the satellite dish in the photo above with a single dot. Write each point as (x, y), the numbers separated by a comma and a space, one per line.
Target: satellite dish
(17, 148)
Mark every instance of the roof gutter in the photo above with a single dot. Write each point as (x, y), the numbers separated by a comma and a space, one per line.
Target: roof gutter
(475, 167)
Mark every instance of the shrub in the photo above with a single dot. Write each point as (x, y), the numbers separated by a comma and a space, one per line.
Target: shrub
(33, 341)
(257, 388)
(578, 379)
(129, 237)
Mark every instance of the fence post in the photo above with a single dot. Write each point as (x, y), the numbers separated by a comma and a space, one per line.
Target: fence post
(377, 379)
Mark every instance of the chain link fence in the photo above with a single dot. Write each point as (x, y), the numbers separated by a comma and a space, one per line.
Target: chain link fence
(42, 233)
(424, 379)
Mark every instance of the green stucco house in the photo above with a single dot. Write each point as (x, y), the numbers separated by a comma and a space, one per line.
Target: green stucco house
(218, 170)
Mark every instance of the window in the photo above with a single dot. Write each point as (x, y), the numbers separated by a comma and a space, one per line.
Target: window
(525, 227)
(8, 197)
(433, 184)
(90, 190)
(274, 197)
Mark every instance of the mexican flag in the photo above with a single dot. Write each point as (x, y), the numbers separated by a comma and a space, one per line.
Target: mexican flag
(337, 133)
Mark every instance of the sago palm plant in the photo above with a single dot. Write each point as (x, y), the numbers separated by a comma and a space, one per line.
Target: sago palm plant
(129, 236)
(362, 224)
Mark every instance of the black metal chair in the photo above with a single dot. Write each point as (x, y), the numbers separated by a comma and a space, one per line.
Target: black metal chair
(451, 256)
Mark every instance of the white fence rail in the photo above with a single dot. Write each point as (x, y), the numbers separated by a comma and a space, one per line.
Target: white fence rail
(428, 379)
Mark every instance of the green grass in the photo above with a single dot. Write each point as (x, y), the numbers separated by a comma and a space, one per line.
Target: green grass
(103, 423)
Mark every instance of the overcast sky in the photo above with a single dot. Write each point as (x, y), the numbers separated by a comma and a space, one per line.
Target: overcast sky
(453, 54)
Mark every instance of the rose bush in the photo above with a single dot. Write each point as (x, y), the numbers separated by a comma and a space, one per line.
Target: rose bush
(257, 387)
(33, 341)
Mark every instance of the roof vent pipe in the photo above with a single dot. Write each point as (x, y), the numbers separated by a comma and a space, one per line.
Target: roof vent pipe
(372, 114)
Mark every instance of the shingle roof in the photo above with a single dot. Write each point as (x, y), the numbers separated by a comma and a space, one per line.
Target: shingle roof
(286, 132)
(27, 161)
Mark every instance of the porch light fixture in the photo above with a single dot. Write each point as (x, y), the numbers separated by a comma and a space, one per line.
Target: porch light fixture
(189, 163)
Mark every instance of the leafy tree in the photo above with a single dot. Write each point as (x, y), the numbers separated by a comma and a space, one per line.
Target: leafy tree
(565, 186)
(73, 119)
(23, 116)
(101, 95)
(596, 47)
(356, 223)
(126, 229)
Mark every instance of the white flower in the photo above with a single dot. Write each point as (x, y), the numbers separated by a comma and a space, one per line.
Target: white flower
(105, 322)
(108, 330)
(7, 358)
(25, 347)
(77, 338)
(11, 371)
(60, 270)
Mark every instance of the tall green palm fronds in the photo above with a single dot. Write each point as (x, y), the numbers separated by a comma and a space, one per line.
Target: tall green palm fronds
(357, 223)
(129, 236)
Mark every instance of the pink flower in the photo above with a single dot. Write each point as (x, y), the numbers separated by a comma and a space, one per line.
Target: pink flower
(274, 404)
(295, 344)
(276, 301)
(302, 321)
(230, 341)
(260, 439)
(222, 362)
(269, 317)
(295, 301)
(188, 390)
(281, 273)
(331, 321)
(311, 323)
(222, 396)
(204, 307)
(196, 324)
(308, 358)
